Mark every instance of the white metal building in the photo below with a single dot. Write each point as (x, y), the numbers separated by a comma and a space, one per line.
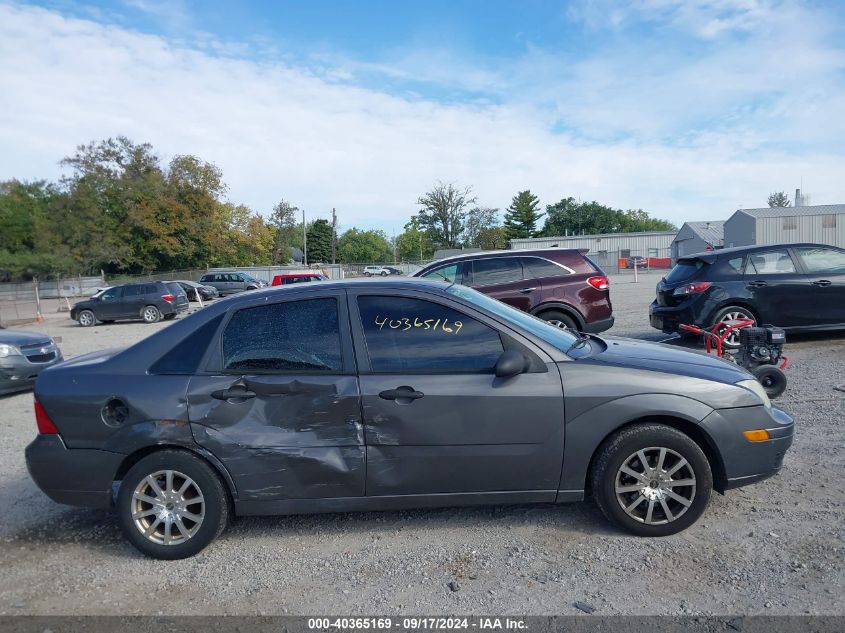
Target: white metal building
(646, 244)
(822, 224)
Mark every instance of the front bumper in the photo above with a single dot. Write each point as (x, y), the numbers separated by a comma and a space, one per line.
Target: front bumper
(747, 462)
(18, 374)
(78, 477)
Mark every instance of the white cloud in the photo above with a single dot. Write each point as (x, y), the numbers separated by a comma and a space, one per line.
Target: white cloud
(280, 130)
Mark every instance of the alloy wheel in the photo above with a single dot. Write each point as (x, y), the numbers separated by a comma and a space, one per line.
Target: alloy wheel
(557, 323)
(86, 318)
(655, 485)
(168, 507)
(733, 338)
(150, 314)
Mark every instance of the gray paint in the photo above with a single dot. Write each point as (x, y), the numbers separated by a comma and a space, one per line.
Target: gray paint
(311, 443)
(696, 237)
(782, 225)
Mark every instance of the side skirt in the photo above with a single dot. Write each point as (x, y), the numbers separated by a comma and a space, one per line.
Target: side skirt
(252, 507)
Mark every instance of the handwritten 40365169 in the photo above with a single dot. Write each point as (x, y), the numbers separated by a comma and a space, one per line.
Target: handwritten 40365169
(403, 324)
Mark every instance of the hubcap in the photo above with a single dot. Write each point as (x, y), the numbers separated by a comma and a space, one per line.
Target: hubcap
(85, 318)
(733, 337)
(168, 507)
(557, 323)
(655, 485)
(149, 314)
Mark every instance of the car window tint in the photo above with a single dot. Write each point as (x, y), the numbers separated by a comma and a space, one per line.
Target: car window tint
(405, 335)
(112, 294)
(186, 355)
(817, 260)
(151, 289)
(132, 291)
(451, 273)
(206, 278)
(496, 270)
(735, 264)
(282, 337)
(684, 270)
(537, 267)
(769, 263)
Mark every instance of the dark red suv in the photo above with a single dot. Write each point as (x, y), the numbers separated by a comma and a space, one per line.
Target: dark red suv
(561, 286)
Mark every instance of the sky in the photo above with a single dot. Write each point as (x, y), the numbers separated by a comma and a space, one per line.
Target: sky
(688, 109)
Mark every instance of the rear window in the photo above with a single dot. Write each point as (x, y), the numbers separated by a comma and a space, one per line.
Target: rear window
(685, 270)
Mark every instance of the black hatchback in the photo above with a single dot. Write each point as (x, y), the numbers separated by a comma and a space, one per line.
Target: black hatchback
(793, 286)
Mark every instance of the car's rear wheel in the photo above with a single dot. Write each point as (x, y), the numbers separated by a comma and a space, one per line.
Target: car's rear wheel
(86, 318)
(151, 314)
(559, 319)
(171, 505)
(367, 274)
(651, 480)
(384, 273)
(733, 313)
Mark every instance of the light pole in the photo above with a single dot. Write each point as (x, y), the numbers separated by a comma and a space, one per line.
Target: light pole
(304, 242)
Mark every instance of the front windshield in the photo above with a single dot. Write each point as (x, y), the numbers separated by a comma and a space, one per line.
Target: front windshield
(562, 339)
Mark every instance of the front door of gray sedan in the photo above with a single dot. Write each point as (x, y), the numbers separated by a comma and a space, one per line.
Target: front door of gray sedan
(279, 403)
(437, 420)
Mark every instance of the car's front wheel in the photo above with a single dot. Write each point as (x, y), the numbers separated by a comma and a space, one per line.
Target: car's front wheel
(171, 505)
(652, 480)
(86, 318)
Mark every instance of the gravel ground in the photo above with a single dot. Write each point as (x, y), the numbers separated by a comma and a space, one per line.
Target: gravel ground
(777, 547)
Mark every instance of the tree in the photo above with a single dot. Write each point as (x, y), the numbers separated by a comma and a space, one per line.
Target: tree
(778, 199)
(443, 213)
(283, 219)
(414, 244)
(479, 221)
(522, 216)
(570, 217)
(362, 247)
(319, 236)
(492, 238)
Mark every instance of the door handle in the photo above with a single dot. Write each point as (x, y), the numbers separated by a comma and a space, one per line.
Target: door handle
(232, 394)
(757, 284)
(822, 282)
(402, 393)
(527, 290)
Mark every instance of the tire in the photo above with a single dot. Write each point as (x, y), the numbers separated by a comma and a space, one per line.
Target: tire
(86, 318)
(383, 274)
(368, 274)
(622, 449)
(202, 482)
(559, 319)
(729, 313)
(772, 378)
(151, 314)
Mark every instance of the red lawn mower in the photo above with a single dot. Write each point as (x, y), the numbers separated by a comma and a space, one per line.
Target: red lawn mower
(760, 350)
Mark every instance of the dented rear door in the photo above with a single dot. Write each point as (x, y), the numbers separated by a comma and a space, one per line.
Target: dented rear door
(280, 405)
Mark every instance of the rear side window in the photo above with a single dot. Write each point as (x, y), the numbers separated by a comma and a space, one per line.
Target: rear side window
(496, 270)
(769, 263)
(685, 270)
(406, 335)
(537, 268)
(822, 260)
(452, 273)
(185, 357)
(151, 289)
(294, 336)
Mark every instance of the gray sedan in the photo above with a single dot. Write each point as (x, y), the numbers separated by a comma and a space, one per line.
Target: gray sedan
(396, 393)
(23, 355)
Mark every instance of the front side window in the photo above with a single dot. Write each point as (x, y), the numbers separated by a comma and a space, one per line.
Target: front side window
(496, 270)
(769, 263)
(294, 336)
(406, 335)
(818, 260)
(451, 273)
(112, 294)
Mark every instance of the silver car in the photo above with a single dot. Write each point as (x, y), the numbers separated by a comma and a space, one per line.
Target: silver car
(22, 357)
(231, 282)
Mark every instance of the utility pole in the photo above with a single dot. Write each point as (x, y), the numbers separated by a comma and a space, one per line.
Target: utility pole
(394, 245)
(334, 236)
(304, 241)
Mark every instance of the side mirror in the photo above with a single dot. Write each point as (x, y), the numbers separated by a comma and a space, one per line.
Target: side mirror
(511, 363)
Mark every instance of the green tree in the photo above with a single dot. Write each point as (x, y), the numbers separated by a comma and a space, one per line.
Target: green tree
(443, 213)
(479, 222)
(319, 236)
(570, 217)
(283, 219)
(779, 199)
(414, 244)
(492, 238)
(355, 246)
(522, 215)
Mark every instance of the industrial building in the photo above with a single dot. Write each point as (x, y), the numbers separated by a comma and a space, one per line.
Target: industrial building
(609, 249)
(696, 237)
(822, 224)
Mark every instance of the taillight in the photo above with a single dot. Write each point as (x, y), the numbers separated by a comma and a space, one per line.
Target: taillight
(693, 288)
(168, 297)
(43, 421)
(599, 283)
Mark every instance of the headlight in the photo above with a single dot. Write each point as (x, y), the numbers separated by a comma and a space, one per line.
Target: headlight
(756, 388)
(8, 350)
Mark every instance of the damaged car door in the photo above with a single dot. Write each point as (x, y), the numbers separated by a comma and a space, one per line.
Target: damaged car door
(279, 402)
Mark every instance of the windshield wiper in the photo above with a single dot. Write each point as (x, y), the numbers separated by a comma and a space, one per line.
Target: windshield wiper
(579, 342)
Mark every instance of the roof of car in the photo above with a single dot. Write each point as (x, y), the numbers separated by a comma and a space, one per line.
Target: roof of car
(510, 252)
(711, 256)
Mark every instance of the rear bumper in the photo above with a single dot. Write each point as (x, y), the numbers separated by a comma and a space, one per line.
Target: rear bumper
(668, 318)
(599, 326)
(78, 477)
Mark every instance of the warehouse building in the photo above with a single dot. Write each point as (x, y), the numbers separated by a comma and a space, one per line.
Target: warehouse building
(609, 249)
(822, 224)
(696, 237)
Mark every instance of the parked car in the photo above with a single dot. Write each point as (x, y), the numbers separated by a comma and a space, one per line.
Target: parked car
(393, 271)
(636, 261)
(197, 291)
(23, 355)
(299, 277)
(181, 297)
(793, 286)
(230, 283)
(149, 301)
(396, 393)
(372, 271)
(561, 286)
